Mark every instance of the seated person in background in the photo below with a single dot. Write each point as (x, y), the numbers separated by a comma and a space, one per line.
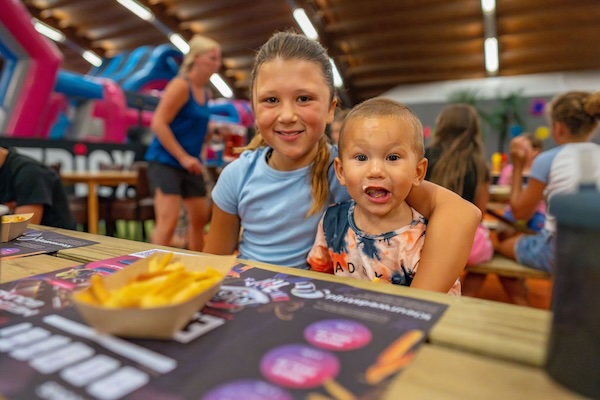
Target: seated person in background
(536, 222)
(336, 125)
(28, 186)
(573, 119)
(376, 235)
(457, 162)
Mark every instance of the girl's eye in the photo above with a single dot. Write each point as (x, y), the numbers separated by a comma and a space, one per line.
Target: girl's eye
(270, 100)
(303, 99)
(360, 157)
(393, 157)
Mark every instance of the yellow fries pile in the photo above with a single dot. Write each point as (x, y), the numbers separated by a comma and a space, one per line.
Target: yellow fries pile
(7, 219)
(165, 283)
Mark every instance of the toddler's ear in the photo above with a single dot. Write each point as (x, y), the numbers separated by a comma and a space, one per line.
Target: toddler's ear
(339, 170)
(420, 171)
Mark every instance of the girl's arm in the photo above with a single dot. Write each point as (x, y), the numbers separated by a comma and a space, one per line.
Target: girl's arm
(450, 234)
(523, 201)
(224, 232)
(174, 98)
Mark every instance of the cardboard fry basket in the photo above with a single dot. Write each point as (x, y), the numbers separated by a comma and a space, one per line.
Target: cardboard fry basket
(12, 227)
(157, 322)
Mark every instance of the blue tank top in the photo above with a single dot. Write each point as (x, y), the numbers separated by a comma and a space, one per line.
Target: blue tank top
(189, 127)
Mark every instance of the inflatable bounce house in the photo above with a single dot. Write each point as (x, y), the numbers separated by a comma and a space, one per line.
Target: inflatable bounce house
(112, 103)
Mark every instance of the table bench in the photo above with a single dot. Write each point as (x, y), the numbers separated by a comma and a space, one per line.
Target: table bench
(503, 266)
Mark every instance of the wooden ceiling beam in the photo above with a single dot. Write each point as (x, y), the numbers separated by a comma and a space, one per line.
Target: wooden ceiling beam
(471, 62)
(508, 7)
(348, 8)
(414, 50)
(424, 35)
(247, 12)
(194, 9)
(549, 19)
(444, 13)
(576, 54)
(166, 18)
(558, 37)
(70, 32)
(417, 77)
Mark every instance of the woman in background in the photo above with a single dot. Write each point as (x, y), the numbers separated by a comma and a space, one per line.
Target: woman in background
(181, 126)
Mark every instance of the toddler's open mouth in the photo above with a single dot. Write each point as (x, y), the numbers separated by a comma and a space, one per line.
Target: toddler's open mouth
(375, 191)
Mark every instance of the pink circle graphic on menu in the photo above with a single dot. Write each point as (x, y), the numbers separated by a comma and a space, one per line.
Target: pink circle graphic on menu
(299, 366)
(338, 334)
(9, 250)
(248, 389)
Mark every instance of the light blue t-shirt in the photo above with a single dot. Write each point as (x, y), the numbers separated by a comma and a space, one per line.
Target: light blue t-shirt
(559, 169)
(272, 206)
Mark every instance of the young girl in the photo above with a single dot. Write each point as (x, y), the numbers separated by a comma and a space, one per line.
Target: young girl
(536, 222)
(181, 126)
(276, 191)
(457, 162)
(573, 118)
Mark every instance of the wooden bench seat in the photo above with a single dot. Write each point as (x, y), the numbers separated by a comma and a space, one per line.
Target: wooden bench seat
(503, 266)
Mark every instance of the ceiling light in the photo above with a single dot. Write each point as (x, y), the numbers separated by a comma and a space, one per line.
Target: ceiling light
(491, 55)
(48, 31)
(221, 86)
(179, 42)
(137, 9)
(337, 78)
(488, 6)
(92, 58)
(305, 24)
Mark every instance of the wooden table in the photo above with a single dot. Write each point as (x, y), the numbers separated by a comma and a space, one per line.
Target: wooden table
(478, 349)
(93, 179)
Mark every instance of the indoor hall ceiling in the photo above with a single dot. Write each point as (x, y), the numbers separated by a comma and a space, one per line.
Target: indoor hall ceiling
(377, 44)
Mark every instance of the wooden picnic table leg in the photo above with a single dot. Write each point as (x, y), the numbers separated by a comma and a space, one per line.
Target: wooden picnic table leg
(93, 207)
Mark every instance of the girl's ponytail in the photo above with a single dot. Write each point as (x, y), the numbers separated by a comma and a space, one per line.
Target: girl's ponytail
(319, 180)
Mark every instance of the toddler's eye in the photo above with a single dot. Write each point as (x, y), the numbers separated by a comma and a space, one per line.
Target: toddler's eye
(393, 157)
(360, 157)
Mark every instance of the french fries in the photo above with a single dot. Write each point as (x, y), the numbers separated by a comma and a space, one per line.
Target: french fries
(8, 219)
(166, 282)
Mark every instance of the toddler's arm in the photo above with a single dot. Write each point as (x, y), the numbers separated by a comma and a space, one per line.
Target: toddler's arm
(449, 239)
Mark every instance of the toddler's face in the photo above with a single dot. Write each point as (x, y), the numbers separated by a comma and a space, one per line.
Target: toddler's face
(293, 104)
(378, 163)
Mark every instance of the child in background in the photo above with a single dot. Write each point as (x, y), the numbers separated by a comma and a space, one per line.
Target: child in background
(457, 162)
(276, 191)
(376, 236)
(573, 119)
(336, 125)
(536, 222)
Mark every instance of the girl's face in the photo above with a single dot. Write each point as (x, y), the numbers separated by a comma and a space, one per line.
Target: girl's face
(210, 62)
(379, 166)
(292, 103)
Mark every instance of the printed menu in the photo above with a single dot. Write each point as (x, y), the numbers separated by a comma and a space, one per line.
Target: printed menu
(265, 335)
(39, 242)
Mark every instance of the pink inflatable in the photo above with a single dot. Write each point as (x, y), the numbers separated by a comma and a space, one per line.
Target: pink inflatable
(44, 60)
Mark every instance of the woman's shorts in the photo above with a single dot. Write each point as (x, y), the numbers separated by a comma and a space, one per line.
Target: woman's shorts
(171, 180)
(537, 251)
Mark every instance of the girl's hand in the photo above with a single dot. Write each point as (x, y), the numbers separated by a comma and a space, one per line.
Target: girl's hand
(520, 151)
(191, 164)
